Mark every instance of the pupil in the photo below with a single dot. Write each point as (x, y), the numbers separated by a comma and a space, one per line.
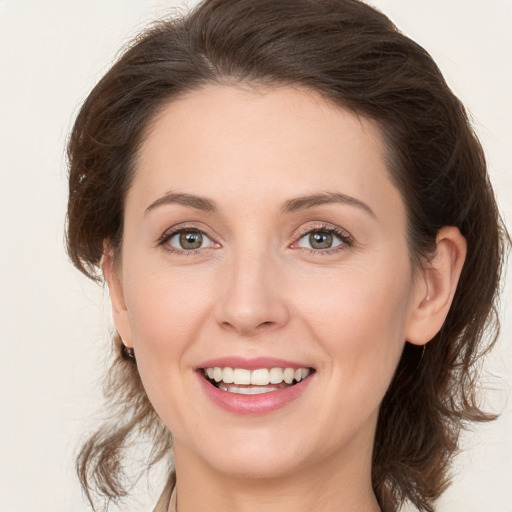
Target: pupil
(191, 240)
(320, 240)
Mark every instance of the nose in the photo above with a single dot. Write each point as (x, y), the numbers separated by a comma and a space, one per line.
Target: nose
(252, 298)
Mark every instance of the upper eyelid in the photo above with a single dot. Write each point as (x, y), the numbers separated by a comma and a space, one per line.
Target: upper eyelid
(322, 226)
(172, 231)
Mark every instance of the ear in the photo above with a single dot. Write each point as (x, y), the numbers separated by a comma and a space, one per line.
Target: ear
(435, 287)
(115, 286)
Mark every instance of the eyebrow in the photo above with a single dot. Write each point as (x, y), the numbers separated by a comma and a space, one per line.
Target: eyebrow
(310, 201)
(292, 205)
(200, 203)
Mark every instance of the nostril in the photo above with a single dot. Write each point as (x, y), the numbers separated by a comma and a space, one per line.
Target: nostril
(265, 326)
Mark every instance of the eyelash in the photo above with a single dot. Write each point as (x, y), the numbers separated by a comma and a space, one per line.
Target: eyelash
(345, 238)
(168, 235)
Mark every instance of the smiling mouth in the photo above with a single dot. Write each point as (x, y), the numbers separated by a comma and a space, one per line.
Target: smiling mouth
(254, 382)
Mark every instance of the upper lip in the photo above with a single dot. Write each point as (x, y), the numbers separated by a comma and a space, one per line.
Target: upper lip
(252, 363)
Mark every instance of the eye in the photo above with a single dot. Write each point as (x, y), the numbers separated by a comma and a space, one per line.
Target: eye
(323, 239)
(189, 240)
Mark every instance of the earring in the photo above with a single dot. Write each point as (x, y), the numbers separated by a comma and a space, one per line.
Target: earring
(127, 352)
(418, 364)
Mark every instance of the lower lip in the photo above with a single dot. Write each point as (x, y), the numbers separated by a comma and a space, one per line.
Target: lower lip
(263, 403)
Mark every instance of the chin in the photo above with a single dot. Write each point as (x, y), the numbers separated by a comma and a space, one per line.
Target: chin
(258, 467)
(263, 457)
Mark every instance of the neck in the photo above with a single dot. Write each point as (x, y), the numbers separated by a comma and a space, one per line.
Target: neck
(329, 486)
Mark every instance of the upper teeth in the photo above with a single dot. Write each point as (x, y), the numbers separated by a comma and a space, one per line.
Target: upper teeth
(259, 377)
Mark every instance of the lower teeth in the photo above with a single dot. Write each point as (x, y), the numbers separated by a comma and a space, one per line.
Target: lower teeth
(249, 390)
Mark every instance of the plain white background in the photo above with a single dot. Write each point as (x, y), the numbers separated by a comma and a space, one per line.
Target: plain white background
(54, 325)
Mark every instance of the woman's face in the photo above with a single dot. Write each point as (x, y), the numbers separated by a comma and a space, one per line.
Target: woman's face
(262, 232)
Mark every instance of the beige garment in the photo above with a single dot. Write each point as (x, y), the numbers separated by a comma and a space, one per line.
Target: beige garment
(167, 501)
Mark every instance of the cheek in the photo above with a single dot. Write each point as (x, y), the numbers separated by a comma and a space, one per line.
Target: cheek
(360, 320)
(166, 311)
(165, 307)
(360, 304)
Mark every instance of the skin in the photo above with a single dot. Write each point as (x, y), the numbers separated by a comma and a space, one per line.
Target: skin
(256, 289)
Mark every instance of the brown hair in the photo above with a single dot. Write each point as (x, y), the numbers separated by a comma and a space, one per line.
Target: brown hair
(355, 57)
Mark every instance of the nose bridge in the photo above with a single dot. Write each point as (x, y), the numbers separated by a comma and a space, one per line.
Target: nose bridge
(252, 299)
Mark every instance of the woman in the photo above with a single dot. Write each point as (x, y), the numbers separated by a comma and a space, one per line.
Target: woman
(303, 252)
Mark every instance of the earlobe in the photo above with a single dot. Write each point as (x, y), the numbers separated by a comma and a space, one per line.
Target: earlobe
(119, 309)
(435, 287)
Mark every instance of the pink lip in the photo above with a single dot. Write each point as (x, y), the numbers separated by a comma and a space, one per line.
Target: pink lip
(251, 364)
(263, 403)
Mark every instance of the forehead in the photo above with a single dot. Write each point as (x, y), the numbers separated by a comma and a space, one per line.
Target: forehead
(242, 141)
